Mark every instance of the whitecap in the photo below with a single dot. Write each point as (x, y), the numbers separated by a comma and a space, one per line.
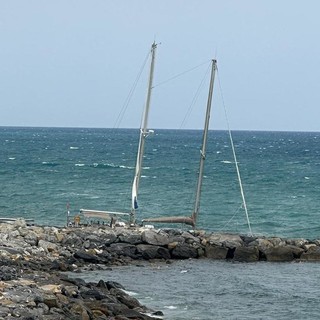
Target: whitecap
(79, 164)
(12, 158)
(226, 161)
(131, 293)
(170, 307)
(74, 148)
(124, 167)
(307, 178)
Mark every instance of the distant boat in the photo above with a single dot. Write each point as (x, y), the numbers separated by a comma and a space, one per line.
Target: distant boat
(191, 220)
(144, 132)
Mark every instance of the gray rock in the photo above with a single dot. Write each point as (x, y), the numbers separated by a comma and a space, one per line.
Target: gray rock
(313, 254)
(153, 252)
(227, 240)
(189, 238)
(279, 254)
(47, 246)
(157, 238)
(184, 251)
(131, 238)
(246, 254)
(215, 252)
(124, 298)
(124, 249)
(88, 257)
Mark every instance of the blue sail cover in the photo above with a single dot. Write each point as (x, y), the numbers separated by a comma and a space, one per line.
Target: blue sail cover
(135, 203)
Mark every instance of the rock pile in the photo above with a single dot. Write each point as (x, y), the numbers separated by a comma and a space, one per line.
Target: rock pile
(33, 258)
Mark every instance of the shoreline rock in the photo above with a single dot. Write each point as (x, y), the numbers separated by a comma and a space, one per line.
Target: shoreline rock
(33, 259)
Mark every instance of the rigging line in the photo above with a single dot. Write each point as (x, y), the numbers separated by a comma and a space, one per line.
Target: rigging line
(129, 96)
(228, 222)
(179, 75)
(234, 156)
(195, 98)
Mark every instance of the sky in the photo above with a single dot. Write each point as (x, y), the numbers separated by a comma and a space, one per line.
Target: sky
(72, 63)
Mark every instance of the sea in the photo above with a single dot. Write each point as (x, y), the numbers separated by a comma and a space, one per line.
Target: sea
(45, 172)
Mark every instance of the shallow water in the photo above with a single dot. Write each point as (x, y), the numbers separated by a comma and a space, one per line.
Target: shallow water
(206, 289)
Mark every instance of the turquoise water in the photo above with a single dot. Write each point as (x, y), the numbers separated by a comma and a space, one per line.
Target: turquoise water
(43, 169)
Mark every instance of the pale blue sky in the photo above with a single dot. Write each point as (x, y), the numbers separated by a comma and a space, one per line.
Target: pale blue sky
(72, 63)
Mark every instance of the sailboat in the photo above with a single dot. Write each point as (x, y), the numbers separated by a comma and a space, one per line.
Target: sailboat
(191, 220)
(144, 132)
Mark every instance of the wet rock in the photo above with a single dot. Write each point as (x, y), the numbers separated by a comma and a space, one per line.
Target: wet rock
(114, 285)
(124, 298)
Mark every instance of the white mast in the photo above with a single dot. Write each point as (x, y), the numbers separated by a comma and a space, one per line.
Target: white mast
(191, 220)
(204, 142)
(143, 134)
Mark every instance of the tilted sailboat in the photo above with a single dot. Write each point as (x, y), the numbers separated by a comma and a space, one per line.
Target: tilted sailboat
(144, 132)
(191, 220)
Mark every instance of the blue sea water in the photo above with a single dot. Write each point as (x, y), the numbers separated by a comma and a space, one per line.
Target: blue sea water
(43, 169)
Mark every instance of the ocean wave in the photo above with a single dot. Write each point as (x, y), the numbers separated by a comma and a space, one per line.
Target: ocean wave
(74, 148)
(50, 164)
(110, 165)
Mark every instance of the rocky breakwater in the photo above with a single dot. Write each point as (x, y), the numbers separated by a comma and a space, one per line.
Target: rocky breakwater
(33, 286)
(33, 259)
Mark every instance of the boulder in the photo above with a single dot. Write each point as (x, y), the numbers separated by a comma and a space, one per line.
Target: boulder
(313, 254)
(87, 257)
(189, 238)
(279, 254)
(124, 249)
(130, 238)
(50, 300)
(216, 252)
(246, 254)
(299, 242)
(124, 298)
(47, 246)
(153, 252)
(227, 240)
(277, 242)
(184, 251)
(262, 244)
(157, 238)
